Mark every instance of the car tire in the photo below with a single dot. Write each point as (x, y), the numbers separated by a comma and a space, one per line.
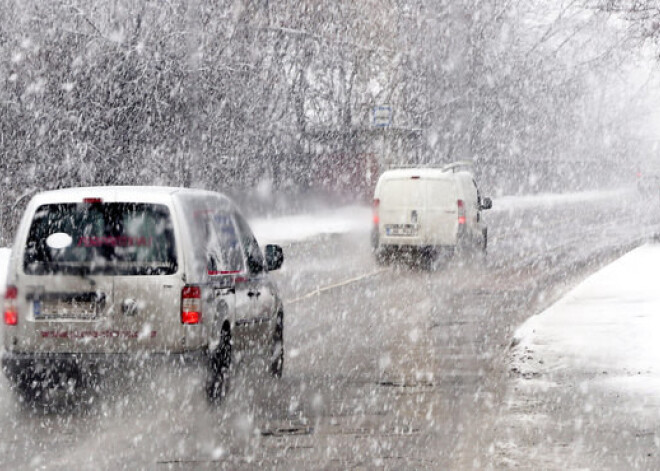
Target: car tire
(26, 391)
(277, 348)
(220, 361)
(427, 259)
(383, 256)
(374, 239)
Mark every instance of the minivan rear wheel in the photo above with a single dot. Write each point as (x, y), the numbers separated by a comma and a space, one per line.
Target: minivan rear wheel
(217, 382)
(277, 348)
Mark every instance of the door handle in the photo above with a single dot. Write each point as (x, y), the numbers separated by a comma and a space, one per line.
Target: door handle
(253, 293)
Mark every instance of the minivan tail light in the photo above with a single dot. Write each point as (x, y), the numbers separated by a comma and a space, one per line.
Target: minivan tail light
(376, 214)
(191, 305)
(11, 316)
(11, 313)
(461, 212)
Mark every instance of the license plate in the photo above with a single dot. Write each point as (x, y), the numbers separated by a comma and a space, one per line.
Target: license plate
(400, 229)
(65, 308)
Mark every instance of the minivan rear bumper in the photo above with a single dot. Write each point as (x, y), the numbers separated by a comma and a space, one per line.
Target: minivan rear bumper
(47, 369)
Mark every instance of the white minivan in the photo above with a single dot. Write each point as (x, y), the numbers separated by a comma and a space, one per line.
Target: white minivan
(102, 276)
(428, 210)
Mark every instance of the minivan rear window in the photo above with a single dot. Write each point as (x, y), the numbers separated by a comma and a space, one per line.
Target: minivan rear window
(101, 238)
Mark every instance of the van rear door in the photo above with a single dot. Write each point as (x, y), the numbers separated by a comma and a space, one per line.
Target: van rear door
(441, 214)
(401, 207)
(418, 210)
(93, 275)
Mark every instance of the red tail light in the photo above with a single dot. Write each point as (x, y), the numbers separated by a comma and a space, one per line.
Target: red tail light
(11, 313)
(376, 215)
(92, 200)
(191, 305)
(11, 316)
(461, 212)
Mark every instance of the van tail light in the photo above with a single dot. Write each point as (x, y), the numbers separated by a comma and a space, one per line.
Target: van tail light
(11, 312)
(191, 305)
(375, 209)
(461, 212)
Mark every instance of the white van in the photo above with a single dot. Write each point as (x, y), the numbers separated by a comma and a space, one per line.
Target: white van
(102, 276)
(428, 210)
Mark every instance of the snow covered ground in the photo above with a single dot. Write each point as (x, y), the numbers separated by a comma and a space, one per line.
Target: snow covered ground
(605, 330)
(303, 226)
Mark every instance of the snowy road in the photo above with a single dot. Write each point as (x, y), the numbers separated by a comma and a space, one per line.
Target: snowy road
(389, 368)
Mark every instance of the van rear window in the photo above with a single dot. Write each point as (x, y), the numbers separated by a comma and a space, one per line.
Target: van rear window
(101, 238)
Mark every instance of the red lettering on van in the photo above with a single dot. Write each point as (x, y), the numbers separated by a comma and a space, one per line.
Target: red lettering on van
(120, 241)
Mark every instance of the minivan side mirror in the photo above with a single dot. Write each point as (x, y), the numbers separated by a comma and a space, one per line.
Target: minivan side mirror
(486, 203)
(274, 257)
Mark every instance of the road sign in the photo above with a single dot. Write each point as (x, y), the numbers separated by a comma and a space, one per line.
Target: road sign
(382, 116)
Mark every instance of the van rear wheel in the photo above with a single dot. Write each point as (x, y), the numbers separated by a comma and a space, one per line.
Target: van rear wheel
(383, 256)
(277, 348)
(217, 382)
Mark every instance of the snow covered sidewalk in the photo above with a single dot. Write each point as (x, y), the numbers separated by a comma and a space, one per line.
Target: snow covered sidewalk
(586, 388)
(610, 322)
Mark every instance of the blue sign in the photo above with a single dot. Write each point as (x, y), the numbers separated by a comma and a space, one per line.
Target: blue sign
(382, 116)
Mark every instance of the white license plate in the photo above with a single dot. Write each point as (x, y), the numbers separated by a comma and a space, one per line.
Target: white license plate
(400, 229)
(64, 310)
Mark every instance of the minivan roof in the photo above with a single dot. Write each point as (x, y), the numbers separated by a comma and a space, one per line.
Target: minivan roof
(433, 173)
(144, 194)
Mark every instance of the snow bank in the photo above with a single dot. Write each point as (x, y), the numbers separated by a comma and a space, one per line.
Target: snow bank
(608, 324)
(300, 227)
(510, 203)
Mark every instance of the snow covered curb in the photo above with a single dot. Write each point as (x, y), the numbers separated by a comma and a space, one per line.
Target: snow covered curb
(606, 328)
(304, 226)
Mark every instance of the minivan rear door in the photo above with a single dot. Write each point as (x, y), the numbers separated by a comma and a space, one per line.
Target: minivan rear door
(98, 275)
(401, 208)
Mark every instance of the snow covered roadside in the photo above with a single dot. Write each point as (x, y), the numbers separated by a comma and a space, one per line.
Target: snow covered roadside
(517, 202)
(604, 332)
(4, 262)
(356, 219)
(585, 388)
